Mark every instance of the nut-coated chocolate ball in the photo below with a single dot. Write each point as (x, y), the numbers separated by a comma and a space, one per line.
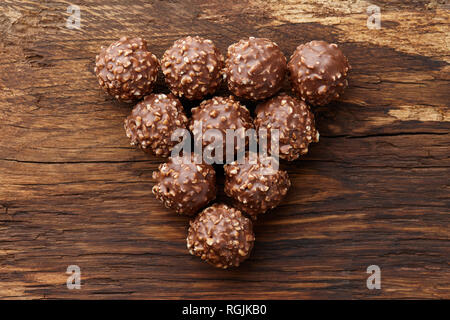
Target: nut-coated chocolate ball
(126, 69)
(185, 185)
(153, 121)
(255, 68)
(294, 121)
(221, 236)
(318, 72)
(256, 186)
(221, 113)
(192, 67)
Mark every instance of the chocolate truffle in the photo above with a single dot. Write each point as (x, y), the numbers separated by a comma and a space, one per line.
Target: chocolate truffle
(126, 69)
(221, 236)
(318, 72)
(256, 186)
(152, 122)
(255, 68)
(192, 67)
(295, 123)
(220, 113)
(185, 185)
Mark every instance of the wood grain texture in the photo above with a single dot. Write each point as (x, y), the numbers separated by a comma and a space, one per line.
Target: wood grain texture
(375, 190)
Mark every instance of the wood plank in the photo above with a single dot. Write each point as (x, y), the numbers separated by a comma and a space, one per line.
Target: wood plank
(375, 190)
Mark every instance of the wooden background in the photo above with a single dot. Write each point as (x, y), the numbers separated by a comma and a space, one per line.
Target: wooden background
(375, 190)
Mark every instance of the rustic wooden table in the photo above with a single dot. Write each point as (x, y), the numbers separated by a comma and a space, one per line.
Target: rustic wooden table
(374, 191)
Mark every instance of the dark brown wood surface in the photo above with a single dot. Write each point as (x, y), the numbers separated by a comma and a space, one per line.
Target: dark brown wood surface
(375, 190)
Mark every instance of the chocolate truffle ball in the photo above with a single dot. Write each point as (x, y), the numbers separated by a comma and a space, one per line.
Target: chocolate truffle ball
(255, 68)
(220, 113)
(256, 186)
(318, 72)
(184, 184)
(221, 236)
(152, 122)
(126, 69)
(295, 123)
(192, 67)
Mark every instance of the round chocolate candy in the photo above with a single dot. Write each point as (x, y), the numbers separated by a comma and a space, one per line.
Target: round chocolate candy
(220, 113)
(153, 121)
(295, 122)
(256, 185)
(255, 68)
(192, 67)
(184, 184)
(221, 236)
(318, 72)
(126, 69)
